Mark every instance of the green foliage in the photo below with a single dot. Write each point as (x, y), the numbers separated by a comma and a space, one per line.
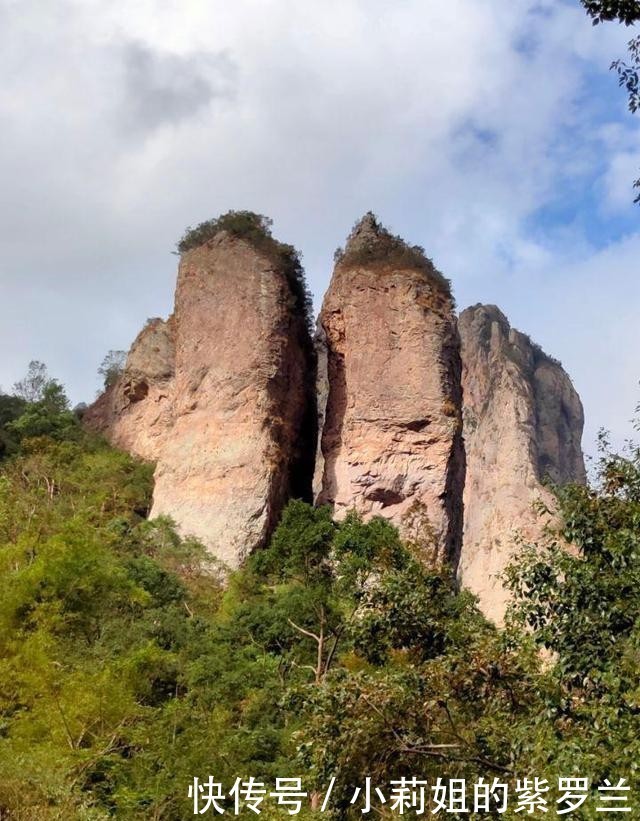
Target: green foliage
(256, 229)
(49, 416)
(584, 608)
(97, 606)
(11, 408)
(377, 246)
(622, 11)
(125, 670)
(39, 408)
(127, 667)
(386, 669)
(111, 367)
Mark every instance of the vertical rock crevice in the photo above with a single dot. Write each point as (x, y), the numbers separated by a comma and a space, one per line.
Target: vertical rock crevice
(457, 467)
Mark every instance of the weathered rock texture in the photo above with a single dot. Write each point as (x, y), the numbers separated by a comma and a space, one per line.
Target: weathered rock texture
(391, 440)
(228, 397)
(136, 412)
(523, 423)
(221, 396)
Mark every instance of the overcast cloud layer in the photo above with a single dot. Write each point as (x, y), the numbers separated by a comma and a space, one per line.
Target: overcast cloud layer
(488, 131)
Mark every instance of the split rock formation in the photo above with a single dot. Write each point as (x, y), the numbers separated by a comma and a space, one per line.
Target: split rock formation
(446, 425)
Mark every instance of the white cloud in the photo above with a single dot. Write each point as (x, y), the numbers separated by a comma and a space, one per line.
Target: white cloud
(124, 122)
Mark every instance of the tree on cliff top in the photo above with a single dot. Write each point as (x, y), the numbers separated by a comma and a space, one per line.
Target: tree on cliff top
(255, 228)
(371, 244)
(111, 367)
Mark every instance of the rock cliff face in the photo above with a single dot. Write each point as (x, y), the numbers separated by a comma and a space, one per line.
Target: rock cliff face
(391, 439)
(136, 411)
(397, 401)
(221, 396)
(523, 423)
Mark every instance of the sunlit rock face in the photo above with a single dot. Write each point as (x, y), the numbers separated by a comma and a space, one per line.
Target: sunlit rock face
(523, 423)
(136, 412)
(447, 427)
(221, 398)
(391, 436)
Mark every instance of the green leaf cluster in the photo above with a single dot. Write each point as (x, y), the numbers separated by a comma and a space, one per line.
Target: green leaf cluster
(130, 662)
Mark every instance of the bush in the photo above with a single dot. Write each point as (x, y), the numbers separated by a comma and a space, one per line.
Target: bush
(11, 408)
(255, 228)
(111, 367)
(370, 244)
(49, 416)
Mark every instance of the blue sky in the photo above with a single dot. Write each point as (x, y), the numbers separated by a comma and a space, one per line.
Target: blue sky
(492, 133)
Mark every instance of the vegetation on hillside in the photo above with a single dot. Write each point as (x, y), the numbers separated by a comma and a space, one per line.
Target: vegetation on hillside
(127, 668)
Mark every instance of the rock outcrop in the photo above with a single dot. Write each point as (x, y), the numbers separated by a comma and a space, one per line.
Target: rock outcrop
(221, 396)
(391, 439)
(384, 414)
(523, 424)
(136, 411)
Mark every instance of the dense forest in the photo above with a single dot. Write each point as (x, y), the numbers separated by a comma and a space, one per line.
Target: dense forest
(131, 664)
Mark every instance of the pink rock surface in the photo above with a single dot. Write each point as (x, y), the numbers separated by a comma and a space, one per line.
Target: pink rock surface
(219, 398)
(523, 423)
(391, 441)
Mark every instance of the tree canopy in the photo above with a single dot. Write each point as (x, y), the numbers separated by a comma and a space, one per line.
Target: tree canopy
(130, 664)
(628, 13)
(112, 367)
(622, 11)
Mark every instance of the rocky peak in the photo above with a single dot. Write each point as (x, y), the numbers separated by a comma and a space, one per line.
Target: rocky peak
(373, 246)
(151, 359)
(234, 430)
(135, 412)
(523, 424)
(367, 233)
(222, 397)
(254, 230)
(391, 442)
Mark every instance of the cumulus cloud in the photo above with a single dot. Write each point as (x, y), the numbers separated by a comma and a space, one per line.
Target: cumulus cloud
(474, 129)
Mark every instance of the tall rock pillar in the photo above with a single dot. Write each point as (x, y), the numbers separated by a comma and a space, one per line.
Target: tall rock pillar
(233, 420)
(523, 424)
(391, 440)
